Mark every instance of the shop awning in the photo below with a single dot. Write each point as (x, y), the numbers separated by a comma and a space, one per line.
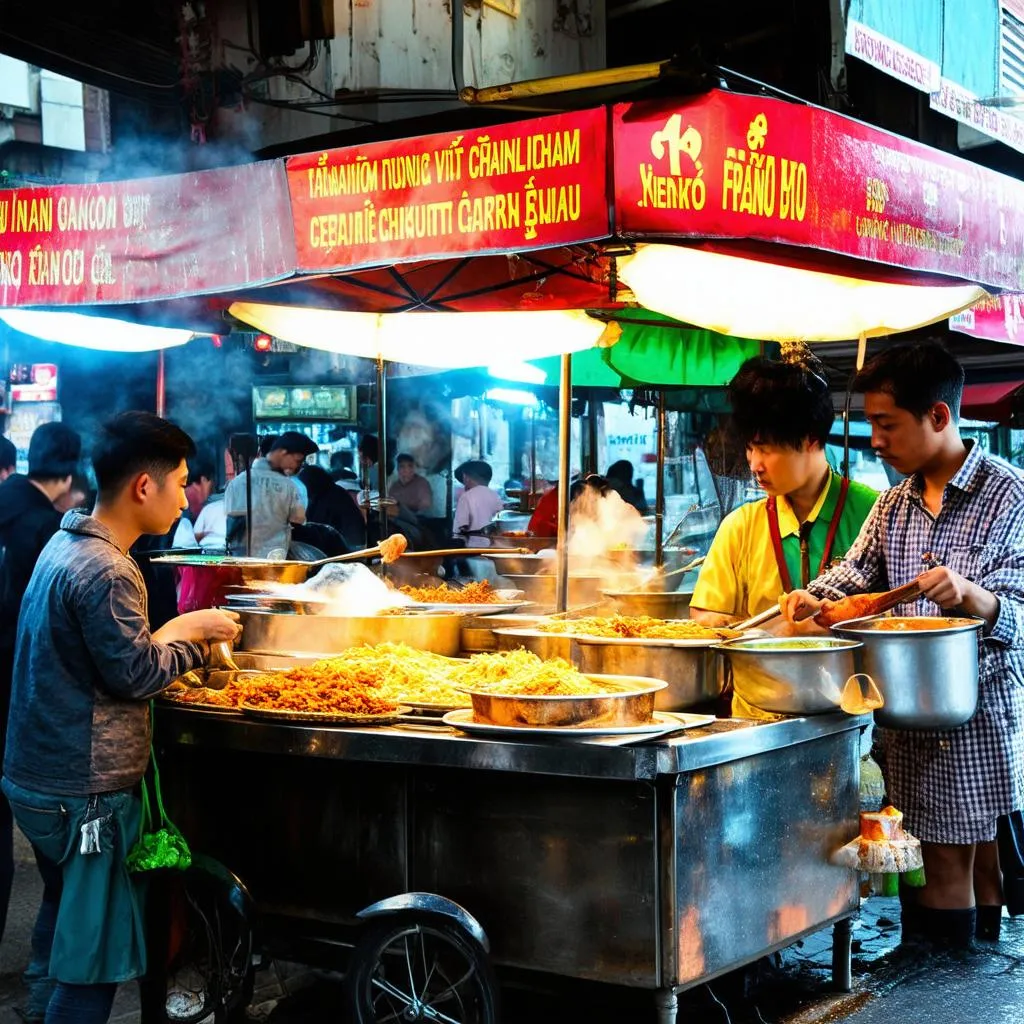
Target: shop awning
(992, 403)
(996, 318)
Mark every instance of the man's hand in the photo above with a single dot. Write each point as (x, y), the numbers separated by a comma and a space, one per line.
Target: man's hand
(950, 590)
(209, 624)
(799, 605)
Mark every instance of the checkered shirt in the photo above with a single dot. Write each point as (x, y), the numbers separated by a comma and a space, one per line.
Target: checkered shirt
(953, 784)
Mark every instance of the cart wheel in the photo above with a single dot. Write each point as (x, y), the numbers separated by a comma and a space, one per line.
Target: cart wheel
(416, 969)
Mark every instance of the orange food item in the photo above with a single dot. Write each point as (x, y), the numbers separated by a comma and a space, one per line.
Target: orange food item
(477, 592)
(857, 606)
(392, 548)
(883, 825)
(922, 622)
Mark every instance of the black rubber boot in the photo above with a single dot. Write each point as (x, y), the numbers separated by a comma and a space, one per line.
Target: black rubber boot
(949, 929)
(911, 930)
(989, 921)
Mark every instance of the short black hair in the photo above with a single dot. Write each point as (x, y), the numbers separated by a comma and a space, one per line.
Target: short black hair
(917, 377)
(8, 454)
(199, 468)
(369, 447)
(266, 442)
(137, 442)
(404, 457)
(781, 403)
(53, 452)
(621, 470)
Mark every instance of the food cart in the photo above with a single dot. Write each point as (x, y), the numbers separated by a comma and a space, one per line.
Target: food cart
(657, 867)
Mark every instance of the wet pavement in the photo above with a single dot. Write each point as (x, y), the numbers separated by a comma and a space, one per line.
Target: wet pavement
(793, 987)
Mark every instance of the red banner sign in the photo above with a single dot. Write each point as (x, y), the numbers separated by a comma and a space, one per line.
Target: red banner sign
(527, 185)
(734, 166)
(151, 238)
(1000, 318)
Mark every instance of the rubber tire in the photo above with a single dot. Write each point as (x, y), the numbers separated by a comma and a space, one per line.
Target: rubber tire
(378, 936)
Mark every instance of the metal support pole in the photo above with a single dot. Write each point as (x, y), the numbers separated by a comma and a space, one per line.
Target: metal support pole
(564, 441)
(532, 492)
(161, 385)
(382, 446)
(659, 494)
(592, 425)
(842, 968)
(666, 1004)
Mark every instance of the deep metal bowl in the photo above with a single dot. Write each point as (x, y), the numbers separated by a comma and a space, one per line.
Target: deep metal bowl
(776, 675)
(276, 633)
(518, 540)
(659, 604)
(691, 670)
(541, 590)
(506, 562)
(545, 645)
(928, 678)
(479, 633)
(629, 701)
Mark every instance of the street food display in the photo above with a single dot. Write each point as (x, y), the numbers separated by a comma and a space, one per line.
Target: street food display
(523, 674)
(476, 592)
(638, 627)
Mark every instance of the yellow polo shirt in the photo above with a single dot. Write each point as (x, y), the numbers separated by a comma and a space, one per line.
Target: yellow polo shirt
(740, 577)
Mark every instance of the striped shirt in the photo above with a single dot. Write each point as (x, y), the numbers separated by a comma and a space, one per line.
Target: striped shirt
(953, 784)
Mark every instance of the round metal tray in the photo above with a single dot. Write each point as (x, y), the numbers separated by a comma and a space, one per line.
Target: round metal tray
(324, 718)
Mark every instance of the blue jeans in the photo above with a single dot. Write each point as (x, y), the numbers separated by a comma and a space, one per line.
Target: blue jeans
(81, 1004)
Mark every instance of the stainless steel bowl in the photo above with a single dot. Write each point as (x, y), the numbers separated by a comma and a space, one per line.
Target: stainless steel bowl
(659, 604)
(520, 565)
(629, 701)
(519, 540)
(791, 675)
(928, 678)
(544, 645)
(479, 632)
(689, 667)
(274, 633)
(541, 590)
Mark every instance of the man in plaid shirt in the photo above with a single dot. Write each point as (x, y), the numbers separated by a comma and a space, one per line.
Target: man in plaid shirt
(957, 521)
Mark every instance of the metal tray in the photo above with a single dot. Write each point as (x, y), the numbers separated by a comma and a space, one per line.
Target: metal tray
(191, 705)
(663, 722)
(324, 718)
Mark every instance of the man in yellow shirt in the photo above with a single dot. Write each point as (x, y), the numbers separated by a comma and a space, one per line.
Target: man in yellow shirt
(782, 413)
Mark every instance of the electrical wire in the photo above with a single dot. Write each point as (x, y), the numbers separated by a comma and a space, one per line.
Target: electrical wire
(282, 105)
(719, 1003)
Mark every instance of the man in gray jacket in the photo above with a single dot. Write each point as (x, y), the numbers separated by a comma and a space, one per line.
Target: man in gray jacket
(85, 667)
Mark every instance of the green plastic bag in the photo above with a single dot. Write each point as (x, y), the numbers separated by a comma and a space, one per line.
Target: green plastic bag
(158, 848)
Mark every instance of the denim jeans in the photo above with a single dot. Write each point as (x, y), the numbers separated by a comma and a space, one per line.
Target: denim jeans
(81, 1004)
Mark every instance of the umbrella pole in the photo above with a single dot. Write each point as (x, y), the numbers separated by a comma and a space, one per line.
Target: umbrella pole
(382, 448)
(161, 385)
(659, 498)
(564, 443)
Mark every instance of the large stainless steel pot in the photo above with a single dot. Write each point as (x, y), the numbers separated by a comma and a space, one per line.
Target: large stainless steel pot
(791, 676)
(270, 632)
(629, 701)
(689, 667)
(478, 631)
(663, 604)
(522, 540)
(928, 678)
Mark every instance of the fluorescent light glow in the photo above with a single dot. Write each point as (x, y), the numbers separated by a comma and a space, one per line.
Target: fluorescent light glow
(751, 299)
(511, 396)
(96, 332)
(447, 340)
(521, 373)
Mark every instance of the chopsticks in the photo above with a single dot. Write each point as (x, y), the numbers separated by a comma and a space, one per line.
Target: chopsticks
(465, 551)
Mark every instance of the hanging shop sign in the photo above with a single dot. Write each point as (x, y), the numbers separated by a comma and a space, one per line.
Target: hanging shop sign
(527, 185)
(1000, 318)
(732, 166)
(148, 238)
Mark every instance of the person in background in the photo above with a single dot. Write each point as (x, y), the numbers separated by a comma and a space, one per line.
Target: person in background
(201, 481)
(79, 734)
(334, 507)
(956, 525)
(28, 519)
(278, 500)
(341, 466)
(478, 504)
(78, 495)
(8, 458)
(620, 479)
(410, 490)
(544, 520)
(369, 454)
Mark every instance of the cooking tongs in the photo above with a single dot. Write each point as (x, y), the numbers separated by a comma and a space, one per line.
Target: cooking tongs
(219, 670)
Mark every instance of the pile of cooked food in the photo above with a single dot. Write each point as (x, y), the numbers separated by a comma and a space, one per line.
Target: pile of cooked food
(476, 592)
(375, 680)
(638, 627)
